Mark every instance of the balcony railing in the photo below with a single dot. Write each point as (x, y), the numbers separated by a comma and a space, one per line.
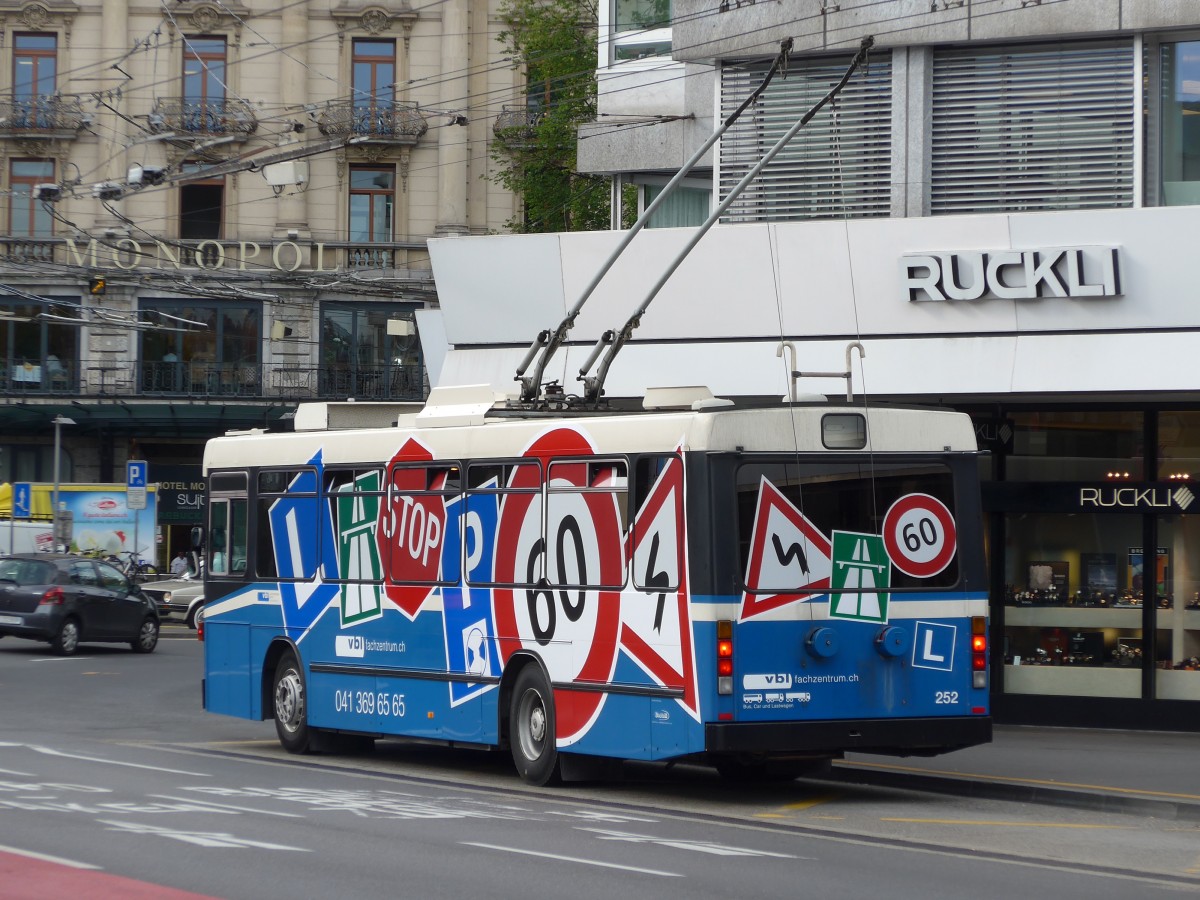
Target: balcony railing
(397, 122)
(220, 381)
(217, 118)
(515, 126)
(40, 117)
(28, 250)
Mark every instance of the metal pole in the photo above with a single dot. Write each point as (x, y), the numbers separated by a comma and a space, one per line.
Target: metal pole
(54, 496)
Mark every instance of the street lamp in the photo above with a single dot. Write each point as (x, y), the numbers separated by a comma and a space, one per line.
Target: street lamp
(59, 422)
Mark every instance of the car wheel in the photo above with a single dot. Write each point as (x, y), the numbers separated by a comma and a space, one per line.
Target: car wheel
(531, 724)
(147, 636)
(191, 616)
(66, 641)
(290, 706)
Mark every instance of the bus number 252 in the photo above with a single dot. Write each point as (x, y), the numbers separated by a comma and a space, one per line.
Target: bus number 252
(370, 703)
(945, 697)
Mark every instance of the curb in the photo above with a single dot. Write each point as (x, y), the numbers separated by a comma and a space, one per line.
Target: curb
(1123, 800)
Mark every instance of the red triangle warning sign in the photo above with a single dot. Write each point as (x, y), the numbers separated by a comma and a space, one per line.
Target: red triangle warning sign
(790, 559)
(656, 628)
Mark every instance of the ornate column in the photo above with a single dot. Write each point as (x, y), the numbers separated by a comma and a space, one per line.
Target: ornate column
(292, 212)
(453, 142)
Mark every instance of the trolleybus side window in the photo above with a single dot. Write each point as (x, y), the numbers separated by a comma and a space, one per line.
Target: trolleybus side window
(287, 504)
(227, 545)
(513, 489)
(586, 507)
(838, 496)
(658, 497)
(355, 498)
(415, 521)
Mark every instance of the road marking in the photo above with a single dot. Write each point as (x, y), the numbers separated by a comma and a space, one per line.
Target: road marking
(585, 862)
(62, 659)
(680, 844)
(113, 762)
(1010, 780)
(45, 857)
(228, 806)
(990, 823)
(200, 838)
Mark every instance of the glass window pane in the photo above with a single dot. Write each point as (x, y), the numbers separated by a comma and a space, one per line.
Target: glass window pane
(633, 15)
(1076, 446)
(1073, 606)
(1177, 639)
(1181, 123)
(1179, 446)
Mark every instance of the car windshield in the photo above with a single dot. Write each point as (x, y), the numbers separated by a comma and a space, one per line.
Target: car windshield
(26, 571)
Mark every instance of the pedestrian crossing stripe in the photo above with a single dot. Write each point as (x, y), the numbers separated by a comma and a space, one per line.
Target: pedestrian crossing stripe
(860, 567)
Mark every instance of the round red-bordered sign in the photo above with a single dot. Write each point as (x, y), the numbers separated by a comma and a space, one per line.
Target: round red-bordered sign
(919, 534)
(577, 639)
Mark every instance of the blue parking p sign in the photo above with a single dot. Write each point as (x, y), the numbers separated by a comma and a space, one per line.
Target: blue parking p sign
(135, 473)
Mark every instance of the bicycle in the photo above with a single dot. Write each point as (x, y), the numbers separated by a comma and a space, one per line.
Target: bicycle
(135, 568)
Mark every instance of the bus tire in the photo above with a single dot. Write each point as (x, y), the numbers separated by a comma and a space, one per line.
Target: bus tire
(289, 703)
(531, 728)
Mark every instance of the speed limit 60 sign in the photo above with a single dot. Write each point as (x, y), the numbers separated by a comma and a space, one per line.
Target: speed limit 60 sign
(919, 534)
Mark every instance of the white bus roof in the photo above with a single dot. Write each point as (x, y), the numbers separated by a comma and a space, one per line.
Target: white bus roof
(472, 426)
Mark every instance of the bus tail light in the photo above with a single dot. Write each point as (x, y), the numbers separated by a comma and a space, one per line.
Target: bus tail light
(978, 652)
(725, 656)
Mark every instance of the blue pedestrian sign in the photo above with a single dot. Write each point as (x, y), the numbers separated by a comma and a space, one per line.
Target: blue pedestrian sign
(22, 500)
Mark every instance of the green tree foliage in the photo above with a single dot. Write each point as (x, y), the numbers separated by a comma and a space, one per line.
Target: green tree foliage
(555, 42)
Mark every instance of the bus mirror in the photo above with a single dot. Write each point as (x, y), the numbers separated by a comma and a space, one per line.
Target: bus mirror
(198, 537)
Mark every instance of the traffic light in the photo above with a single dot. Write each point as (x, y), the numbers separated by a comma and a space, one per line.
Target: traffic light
(97, 285)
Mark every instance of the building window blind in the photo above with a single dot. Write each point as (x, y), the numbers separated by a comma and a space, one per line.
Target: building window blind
(1032, 128)
(837, 166)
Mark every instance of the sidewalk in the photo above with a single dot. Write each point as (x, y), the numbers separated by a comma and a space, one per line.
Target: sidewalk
(1148, 773)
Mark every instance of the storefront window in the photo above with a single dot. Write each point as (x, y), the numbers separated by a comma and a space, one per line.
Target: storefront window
(1177, 638)
(39, 353)
(1075, 585)
(370, 350)
(1181, 124)
(1076, 446)
(213, 349)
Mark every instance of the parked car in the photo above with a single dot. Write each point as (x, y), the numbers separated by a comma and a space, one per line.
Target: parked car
(67, 600)
(177, 597)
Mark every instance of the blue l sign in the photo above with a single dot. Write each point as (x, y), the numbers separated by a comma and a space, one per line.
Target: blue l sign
(933, 646)
(22, 500)
(135, 473)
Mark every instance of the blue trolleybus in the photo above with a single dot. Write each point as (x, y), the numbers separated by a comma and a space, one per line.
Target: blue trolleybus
(755, 589)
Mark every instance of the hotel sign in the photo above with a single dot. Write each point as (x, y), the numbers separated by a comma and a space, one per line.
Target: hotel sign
(127, 255)
(1077, 272)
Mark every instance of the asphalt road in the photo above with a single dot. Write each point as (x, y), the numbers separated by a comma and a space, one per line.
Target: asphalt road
(108, 767)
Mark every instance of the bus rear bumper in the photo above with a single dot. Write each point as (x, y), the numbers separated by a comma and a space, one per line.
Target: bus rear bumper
(896, 737)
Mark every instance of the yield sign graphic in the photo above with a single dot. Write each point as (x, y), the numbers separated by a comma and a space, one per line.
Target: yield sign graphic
(789, 556)
(656, 629)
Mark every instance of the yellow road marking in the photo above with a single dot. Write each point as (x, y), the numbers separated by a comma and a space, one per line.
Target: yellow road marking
(991, 823)
(1048, 782)
(795, 807)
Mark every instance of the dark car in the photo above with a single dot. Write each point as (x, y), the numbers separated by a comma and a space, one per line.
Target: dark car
(69, 599)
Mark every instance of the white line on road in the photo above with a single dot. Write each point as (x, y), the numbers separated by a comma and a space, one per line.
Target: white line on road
(45, 857)
(228, 806)
(62, 658)
(585, 862)
(116, 762)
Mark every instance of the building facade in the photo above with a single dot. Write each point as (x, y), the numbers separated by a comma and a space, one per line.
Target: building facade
(998, 206)
(214, 211)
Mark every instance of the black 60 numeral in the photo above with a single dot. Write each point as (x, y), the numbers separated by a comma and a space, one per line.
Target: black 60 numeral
(541, 599)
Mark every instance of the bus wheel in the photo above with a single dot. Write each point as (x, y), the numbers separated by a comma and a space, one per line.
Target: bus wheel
(291, 711)
(531, 728)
